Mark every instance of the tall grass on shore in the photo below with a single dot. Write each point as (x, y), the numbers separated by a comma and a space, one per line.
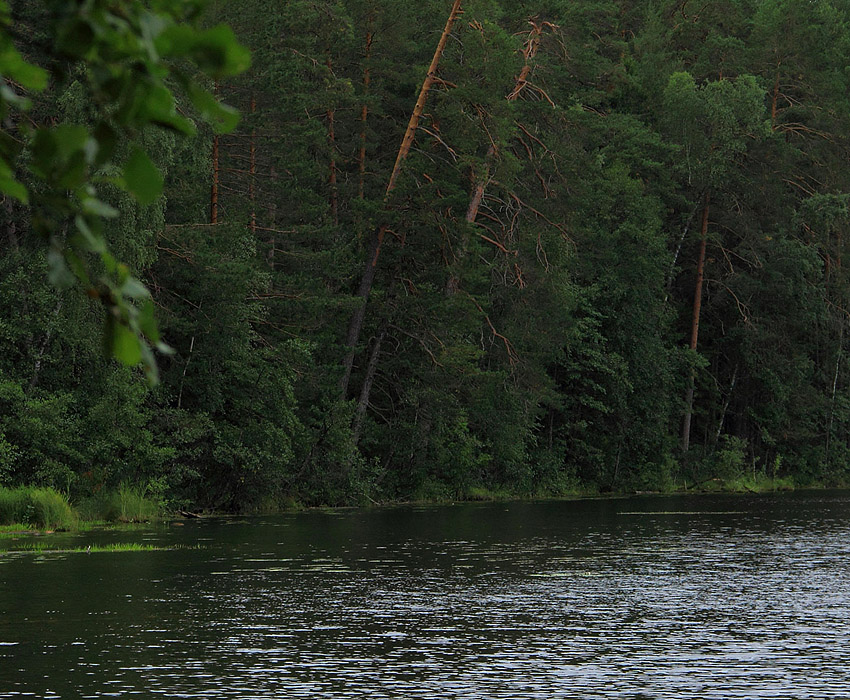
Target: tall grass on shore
(127, 505)
(36, 507)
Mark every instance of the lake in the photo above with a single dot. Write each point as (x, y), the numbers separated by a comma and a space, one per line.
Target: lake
(645, 597)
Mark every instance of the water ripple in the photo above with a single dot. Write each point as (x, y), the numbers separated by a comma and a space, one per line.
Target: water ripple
(642, 603)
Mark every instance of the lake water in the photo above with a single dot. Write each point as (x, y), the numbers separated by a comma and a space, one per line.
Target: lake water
(650, 597)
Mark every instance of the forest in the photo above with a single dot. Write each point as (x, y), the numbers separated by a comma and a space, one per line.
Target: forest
(450, 250)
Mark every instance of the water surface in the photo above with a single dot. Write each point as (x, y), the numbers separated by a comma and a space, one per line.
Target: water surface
(651, 597)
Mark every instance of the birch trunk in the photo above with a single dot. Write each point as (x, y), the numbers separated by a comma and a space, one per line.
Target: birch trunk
(215, 174)
(726, 405)
(252, 171)
(689, 398)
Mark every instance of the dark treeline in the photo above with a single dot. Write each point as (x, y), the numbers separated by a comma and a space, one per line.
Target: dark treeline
(600, 247)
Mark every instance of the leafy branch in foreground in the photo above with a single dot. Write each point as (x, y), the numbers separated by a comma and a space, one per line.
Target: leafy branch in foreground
(128, 56)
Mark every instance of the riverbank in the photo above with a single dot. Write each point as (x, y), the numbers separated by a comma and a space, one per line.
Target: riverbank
(40, 511)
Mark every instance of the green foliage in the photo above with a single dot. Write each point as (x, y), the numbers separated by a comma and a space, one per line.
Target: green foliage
(535, 345)
(39, 507)
(730, 459)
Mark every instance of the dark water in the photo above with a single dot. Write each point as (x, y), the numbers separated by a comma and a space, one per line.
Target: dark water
(709, 597)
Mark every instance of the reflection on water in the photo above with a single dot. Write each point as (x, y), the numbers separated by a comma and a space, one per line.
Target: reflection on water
(711, 597)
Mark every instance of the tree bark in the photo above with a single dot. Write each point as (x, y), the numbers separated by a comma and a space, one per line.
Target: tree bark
(374, 250)
(689, 398)
(668, 284)
(183, 375)
(410, 133)
(774, 100)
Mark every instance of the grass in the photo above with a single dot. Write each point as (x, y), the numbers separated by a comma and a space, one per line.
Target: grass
(479, 493)
(30, 508)
(760, 483)
(126, 505)
(43, 547)
(36, 507)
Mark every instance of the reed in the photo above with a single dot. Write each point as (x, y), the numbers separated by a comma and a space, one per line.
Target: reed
(36, 507)
(127, 505)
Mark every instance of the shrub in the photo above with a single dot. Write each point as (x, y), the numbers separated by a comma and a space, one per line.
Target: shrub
(731, 458)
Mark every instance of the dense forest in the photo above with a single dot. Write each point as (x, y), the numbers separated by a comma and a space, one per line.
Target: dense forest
(451, 248)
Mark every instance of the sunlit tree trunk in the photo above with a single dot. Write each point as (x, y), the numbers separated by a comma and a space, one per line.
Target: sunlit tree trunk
(774, 99)
(374, 250)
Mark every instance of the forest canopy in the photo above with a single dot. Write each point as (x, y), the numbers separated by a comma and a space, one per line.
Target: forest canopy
(450, 248)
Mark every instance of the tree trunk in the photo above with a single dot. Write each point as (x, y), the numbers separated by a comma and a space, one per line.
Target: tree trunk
(834, 391)
(689, 398)
(215, 175)
(364, 114)
(42, 350)
(331, 113)
(368, 381)
(774, 99)
(11, 225)
(530, 50)
(183, 375)
(252, 171)
(670, 272)
(726, 405)
(412, 125)
(368, 277)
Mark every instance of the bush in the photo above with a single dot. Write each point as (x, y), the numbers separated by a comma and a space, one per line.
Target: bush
(731, 458)
(38, 507)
